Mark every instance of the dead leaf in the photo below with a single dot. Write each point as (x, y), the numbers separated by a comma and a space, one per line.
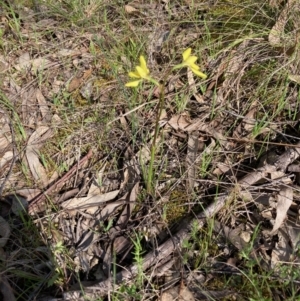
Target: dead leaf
(295, 78)
(248, 123)
(35, 142)
(74, 84)
(282, 251)
(29, 112)
(40, 64)
(69, 52)
(293, 230)
(28, 193)
(284, 201)
(43, 106)
(179, 122)
(24, 62)
(78, 80)
(87, 202)
(94, 188)
(130, 9)
(109, 209)
(179, 292)
(235, 236)
(7, 157)
(3, 64)
(125, 215)
(131, 174)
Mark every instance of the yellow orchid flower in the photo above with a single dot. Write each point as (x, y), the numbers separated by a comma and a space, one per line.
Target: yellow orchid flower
(141, 72)
(189, 61)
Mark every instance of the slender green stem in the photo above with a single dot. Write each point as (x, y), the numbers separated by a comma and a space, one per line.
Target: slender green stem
(156, 132)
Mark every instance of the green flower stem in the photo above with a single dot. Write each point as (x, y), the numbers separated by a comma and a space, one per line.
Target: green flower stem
(161, 104)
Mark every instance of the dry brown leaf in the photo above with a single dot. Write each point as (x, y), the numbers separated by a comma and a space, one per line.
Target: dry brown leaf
(34, 144)
(7, 157)
(74, 84)
(40, 64)
(3, 64)
(43, 105)
(121, 244)
(284, 201)
(125, 215)
(28, 193)
(179, 122)
(108, 210)
(5, 132)
(24, 62)
(282, 251)
(69, 52)
(130, 9)
(29, 111)
(235, 236)
(95, 189)
(179, 292)
(36, 168)
(89, 201)
(131, 174)
(4, 140)
(78, 80)
(295, 78)
(293, 231)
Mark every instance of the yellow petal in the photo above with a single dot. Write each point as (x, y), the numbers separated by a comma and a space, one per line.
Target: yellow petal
(143, 64)
(194, 66)
(143, 73)
(186, 53)
(133, 84)
(199, 73)
(191, 60)
(134, 74)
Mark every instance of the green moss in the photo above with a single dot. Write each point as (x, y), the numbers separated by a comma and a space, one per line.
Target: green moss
(176, 207)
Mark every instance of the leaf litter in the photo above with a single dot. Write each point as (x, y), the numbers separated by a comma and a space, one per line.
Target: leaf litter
(89, 211)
